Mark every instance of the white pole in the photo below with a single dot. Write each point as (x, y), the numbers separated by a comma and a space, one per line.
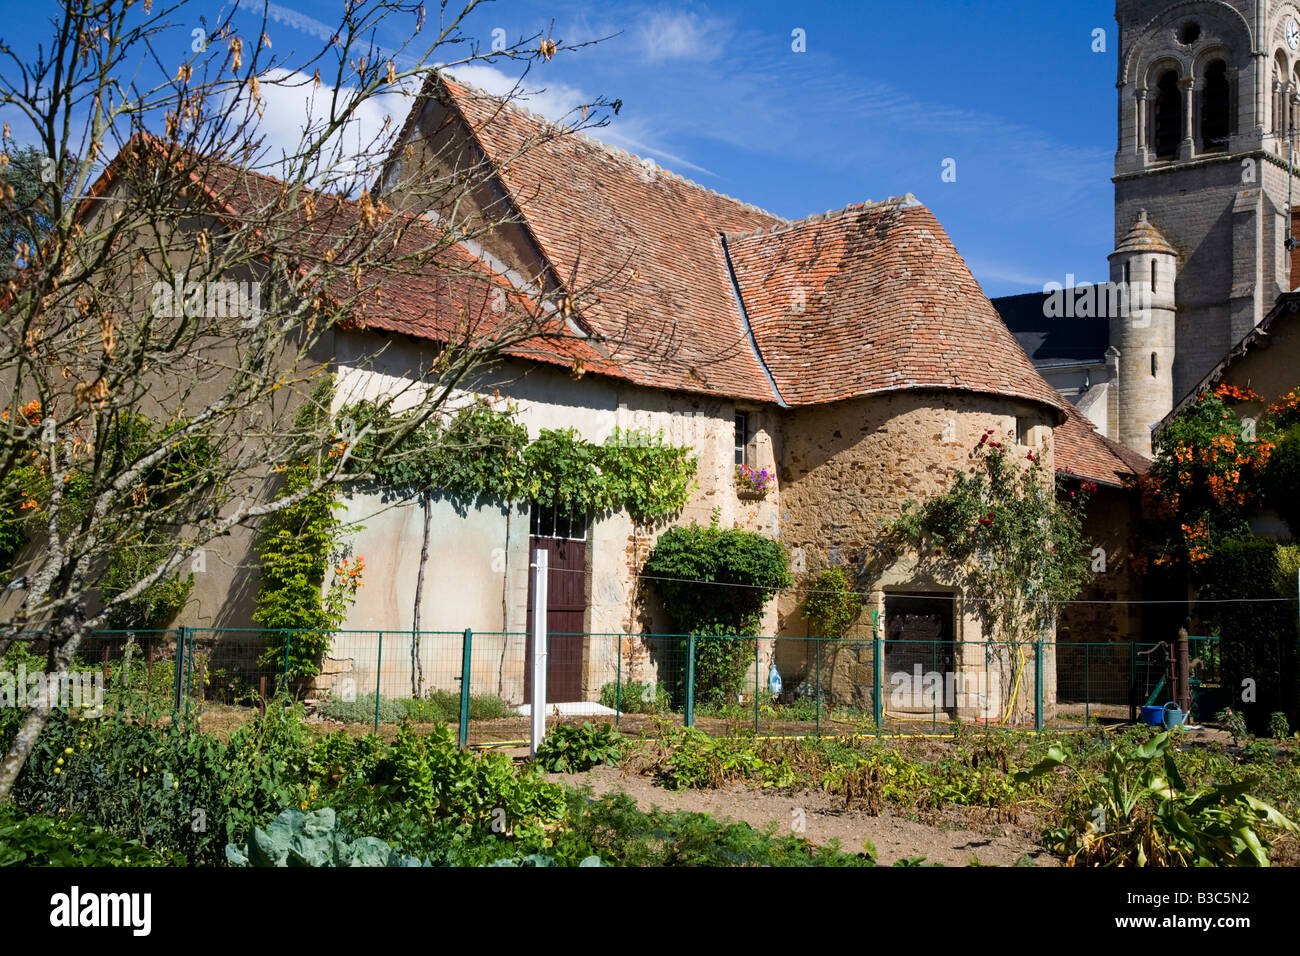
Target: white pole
(538, 713)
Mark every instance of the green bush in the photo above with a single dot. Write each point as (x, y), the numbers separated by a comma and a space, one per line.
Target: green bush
(1278, 726)
(633, 697)
(834, 605)
(570, 749)
(170, 787)
(1281, 478)
(742, 570)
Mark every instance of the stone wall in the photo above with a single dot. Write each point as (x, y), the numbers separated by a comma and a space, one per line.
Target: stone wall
(848, 468)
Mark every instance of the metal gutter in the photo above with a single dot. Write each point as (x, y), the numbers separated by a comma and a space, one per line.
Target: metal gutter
(744, 320)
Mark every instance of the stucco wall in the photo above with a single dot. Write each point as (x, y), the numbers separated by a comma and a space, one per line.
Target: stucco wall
(482, 565)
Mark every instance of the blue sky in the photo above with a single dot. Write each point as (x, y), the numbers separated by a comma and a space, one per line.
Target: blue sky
(884, 93)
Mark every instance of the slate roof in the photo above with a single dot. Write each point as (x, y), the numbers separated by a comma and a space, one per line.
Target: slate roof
(1053, 341)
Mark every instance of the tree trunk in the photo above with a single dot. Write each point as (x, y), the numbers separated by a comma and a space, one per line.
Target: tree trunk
(417, 665)
(29, 732)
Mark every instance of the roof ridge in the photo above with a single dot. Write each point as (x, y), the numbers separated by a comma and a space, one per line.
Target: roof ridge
(905, 201)
(616, 151)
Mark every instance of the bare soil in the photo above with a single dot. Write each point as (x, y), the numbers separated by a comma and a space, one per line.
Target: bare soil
(953, 837)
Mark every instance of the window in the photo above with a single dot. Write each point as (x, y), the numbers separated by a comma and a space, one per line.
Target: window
(1215, 102)
(1127, 275)
(1154, 365)
(556, 521)
(1023, 426)
(1154, 274)
(1168, 120)
(742, 436)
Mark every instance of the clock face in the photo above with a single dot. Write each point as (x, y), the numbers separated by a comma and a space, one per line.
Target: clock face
(1292, 33)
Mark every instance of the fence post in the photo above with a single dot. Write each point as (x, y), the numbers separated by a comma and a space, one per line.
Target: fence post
(284, 684)
(189, 666)
(1038, 685)
(540, 651)
(757, 665)
(180, 662)
(1132, 680)
(379, 669)
(690, 681)
(818, 725)
(465, 658)
(877, 673)
(618, 682)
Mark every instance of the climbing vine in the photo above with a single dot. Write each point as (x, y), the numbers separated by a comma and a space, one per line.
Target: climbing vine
(1213, 469)
(479, 452)
(298, 547)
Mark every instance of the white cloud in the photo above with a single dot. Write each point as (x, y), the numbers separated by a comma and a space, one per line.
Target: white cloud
(295, 109)
(664, 36)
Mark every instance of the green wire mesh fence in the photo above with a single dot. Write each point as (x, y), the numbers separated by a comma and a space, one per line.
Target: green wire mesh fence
(480, 682)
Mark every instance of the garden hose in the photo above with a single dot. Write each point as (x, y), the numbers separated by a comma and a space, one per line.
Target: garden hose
(1015, 688)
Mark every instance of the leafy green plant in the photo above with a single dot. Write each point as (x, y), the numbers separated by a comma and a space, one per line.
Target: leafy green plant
(67, 839)
(570, 749)
(296, 838)
(1139, 812)
(834, 605)
(633, 697)
(1234, 724)
(1278, 726)
(392, 710)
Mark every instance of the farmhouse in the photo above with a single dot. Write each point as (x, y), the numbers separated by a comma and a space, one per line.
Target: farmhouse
(851, 354)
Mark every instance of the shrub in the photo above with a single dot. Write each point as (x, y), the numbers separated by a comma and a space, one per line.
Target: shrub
(1278, 726)
(742, 570)
(833, 605)
(570, 749)
(1282, 477)
(635, 698)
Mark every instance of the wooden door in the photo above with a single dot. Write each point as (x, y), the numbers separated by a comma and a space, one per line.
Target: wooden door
(566, 603)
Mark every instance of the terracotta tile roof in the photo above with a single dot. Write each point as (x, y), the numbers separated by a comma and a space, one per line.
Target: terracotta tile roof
(596, 212)
(1082, 451)
(449, 297)
(875, 298)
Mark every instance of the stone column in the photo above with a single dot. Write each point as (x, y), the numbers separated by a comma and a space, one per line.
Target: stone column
(1187, 148)
(1141, 140)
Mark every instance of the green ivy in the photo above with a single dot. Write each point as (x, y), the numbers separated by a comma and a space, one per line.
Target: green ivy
(296, 546)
